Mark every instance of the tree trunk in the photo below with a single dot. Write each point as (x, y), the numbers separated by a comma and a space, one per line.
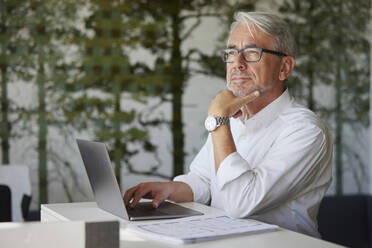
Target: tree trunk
(42, 139)
(177, 92)
(117, 143)
(310, 68)
(5, 124)
(338, 134)
(341, 62)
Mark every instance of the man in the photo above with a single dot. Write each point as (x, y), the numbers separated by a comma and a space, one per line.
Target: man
(274, 162)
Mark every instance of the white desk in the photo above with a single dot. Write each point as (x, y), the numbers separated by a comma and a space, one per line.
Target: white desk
(88, 211)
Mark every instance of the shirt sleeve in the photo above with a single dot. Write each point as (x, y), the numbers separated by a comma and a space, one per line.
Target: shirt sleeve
(294, 165)
(199, 176)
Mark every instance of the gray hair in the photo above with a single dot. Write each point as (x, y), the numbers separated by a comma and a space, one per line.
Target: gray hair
(271, 25)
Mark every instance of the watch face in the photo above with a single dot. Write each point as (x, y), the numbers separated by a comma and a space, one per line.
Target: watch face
(210, 123)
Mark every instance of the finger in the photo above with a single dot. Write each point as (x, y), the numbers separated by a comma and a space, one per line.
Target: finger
(238, 102)
(129, 195)
(148, 196)
(248, 98)
(138, 195)
(158, 199)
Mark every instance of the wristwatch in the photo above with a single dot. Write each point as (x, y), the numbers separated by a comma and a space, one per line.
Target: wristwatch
(212, 122)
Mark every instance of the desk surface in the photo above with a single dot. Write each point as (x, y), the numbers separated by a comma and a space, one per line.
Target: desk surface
(88, 211)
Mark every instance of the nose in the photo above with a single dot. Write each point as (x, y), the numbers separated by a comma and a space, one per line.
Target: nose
(239, 62)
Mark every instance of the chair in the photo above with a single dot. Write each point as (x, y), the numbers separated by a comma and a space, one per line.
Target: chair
(17, 179)
(346, 220)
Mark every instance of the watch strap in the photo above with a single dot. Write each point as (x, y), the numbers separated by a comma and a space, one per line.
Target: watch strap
(222, 120)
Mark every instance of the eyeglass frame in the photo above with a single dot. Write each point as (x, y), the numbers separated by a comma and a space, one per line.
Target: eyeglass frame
(280, 54)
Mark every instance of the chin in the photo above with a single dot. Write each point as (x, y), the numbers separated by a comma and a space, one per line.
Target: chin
(240, 92)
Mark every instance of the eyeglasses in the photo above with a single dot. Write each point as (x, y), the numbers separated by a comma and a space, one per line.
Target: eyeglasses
(250, 54)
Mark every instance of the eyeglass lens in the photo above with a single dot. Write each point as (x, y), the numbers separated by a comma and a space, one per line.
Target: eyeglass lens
(250, 54)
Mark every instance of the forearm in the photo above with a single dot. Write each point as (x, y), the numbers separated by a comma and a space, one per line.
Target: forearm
(226, 104)
(223, 144)
(181, 192)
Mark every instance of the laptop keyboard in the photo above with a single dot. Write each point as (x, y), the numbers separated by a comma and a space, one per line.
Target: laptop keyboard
(143, 208)
(170, 210)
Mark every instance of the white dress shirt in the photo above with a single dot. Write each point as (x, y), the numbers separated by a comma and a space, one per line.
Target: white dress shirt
(279, 174)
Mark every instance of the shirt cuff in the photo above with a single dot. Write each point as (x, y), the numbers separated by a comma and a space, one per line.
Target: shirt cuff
(199, 187)
(232, 167)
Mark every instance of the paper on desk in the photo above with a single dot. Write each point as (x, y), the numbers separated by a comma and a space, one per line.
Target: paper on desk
(198, 228)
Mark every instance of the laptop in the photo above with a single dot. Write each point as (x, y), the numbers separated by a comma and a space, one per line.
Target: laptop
(107, 192)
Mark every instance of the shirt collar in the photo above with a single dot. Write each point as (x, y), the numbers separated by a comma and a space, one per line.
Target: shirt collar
(268, 114)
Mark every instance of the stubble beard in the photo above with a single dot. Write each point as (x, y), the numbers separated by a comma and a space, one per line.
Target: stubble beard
(239, 90)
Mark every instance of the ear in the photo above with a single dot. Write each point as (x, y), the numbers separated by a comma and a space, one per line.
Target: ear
(286, 67)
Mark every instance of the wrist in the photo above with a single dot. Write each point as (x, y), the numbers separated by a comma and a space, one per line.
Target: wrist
(219, 113)
(212, 122)
(216, 110)
(181, 192)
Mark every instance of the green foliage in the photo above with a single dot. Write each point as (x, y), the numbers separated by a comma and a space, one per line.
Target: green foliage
(37, 37)
(333, 51)
(30, 33)
(105, 74)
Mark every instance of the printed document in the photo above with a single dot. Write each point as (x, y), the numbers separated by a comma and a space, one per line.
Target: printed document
(198, 228)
